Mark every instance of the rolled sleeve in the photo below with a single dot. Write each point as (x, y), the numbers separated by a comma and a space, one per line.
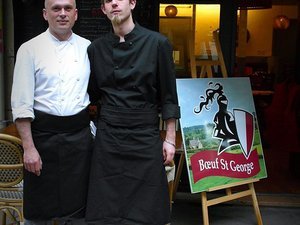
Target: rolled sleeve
(23, 112)
(170, 111)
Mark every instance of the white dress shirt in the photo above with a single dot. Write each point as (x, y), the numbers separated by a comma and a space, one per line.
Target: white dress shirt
(51, 76)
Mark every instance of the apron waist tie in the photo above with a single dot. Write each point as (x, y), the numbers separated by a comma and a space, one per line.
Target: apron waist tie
(126, 117)
(60, 124)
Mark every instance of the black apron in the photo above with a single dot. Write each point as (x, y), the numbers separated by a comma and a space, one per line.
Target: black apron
(128, 184)
(64, 144)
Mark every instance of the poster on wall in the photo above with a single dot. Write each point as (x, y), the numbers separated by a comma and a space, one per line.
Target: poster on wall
(220, 132)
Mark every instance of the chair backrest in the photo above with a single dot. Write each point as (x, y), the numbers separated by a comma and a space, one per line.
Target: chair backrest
(11, 160)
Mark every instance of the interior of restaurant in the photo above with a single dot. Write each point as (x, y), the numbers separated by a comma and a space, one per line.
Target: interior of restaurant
(259, 43)
(266, 52)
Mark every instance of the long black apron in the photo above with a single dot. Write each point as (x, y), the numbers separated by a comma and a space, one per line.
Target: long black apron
(64, 144)
(128, 184)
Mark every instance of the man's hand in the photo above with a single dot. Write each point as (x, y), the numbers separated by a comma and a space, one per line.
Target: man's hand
(170, 141)
(32, 161)
(168, 152)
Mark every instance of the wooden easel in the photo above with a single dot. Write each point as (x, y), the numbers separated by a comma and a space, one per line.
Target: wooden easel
(178, 171)
(207, 64)
(231, 196)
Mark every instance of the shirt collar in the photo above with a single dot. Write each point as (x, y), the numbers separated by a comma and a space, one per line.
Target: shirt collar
(135, 31)
(57, 42)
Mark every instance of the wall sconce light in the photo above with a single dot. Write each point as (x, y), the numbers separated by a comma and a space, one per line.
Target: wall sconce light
(171, 11)
(281, 22)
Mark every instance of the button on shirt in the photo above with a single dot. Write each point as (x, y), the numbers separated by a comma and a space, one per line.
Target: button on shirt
(51, 76)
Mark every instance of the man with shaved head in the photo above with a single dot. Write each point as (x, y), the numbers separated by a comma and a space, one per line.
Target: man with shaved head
(49, 105)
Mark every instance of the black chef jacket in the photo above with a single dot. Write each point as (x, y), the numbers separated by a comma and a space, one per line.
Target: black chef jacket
(137, 73)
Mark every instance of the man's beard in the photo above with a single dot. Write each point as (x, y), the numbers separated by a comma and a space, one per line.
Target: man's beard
(116, 20)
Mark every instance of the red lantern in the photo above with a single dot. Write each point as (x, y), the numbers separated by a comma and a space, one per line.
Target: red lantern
(171, 11)
(281, 22)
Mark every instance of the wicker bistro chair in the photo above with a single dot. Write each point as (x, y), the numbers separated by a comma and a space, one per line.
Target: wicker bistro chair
(11, 180)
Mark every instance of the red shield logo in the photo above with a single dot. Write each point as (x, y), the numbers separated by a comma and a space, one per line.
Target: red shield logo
(245, 130)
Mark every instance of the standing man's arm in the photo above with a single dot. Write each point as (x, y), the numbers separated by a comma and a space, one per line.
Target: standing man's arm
(169, 144)
(22, 107)
(169, 101)
(32, 159)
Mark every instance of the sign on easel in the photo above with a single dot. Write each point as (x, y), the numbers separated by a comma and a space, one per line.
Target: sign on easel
(220, 132)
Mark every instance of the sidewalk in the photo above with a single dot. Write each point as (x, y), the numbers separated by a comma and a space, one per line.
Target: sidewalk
(275, 210)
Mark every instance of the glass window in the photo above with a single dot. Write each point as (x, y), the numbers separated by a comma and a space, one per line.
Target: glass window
(190, 29)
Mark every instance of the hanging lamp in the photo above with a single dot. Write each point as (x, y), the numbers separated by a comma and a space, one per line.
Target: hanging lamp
(171, 11)
(281, 22)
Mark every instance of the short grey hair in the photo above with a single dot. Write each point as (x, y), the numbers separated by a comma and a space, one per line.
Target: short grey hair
(46, 1)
